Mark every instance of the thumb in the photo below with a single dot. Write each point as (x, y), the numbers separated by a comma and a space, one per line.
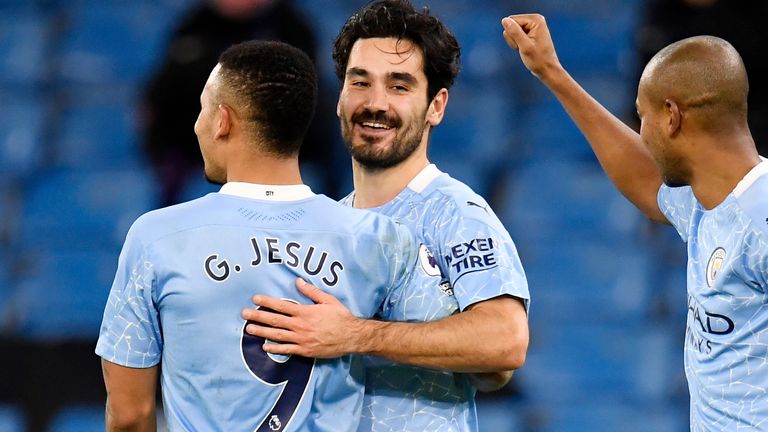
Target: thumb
(513, 33)
(314, 293)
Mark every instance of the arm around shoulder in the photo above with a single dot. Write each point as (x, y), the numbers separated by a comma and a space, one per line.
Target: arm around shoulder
(490, 336)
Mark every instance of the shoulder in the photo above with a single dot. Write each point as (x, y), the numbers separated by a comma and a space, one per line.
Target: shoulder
(455, 202)
(752, 200)
(159, 223)
(343, 218)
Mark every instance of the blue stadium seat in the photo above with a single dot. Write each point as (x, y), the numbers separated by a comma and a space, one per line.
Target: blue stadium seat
(548, 132)
(78, 418)
(596, 413)
(327, 19)
(586, 9)
(484, 53)
(62, 294)
(21, 133)
(22, 48)
(478, 126)
(629, 362)
(84, 209)
(477, 177)
(9, 210)
(12, 419)
(499, 415)
(594, 40)
(614, 91)
(610, 280)
(554, 199)
(97, 129)
(111, 42)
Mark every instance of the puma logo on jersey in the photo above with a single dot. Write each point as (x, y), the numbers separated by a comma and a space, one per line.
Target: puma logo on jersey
(470, 203)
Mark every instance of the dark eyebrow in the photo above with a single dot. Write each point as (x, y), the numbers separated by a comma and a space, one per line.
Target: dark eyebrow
(354, 71)
(403, 77)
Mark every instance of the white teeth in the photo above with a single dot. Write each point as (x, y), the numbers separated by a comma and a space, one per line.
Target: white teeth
(376, 125)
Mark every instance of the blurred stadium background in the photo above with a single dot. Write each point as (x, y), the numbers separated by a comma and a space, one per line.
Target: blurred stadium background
(609, 302)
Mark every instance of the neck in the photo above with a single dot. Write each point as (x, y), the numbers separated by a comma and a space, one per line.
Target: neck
(376, 187)
(720, 166)
(265, 169)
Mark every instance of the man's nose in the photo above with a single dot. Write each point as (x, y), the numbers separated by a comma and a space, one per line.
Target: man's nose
(378, 100)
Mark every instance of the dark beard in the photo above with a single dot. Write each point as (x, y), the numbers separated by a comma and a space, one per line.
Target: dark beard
(401, 149)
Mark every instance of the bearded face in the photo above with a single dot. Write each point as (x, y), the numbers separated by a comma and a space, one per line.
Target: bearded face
(383, 105)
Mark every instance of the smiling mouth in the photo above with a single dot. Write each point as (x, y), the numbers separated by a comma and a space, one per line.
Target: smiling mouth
(375, 125)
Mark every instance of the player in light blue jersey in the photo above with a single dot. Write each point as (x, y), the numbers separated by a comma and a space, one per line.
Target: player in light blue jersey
(693, 165)
(396, 65)
(187, 270)
(465, 243)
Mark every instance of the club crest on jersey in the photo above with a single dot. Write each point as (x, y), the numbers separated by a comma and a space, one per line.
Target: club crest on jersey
(428, 262)
(713, 266)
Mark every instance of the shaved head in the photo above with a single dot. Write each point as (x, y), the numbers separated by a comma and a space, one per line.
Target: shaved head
(705, 76)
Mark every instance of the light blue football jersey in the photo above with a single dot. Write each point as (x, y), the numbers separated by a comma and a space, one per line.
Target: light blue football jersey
(726, 341)
(186, 271)
(465, 245)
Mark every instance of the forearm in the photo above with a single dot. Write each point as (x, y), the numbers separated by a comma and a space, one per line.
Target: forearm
(618, 148)
(492, 338)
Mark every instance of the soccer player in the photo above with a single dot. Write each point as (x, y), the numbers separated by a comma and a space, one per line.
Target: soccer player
(694, 165)
(396, 66)
(185, 271)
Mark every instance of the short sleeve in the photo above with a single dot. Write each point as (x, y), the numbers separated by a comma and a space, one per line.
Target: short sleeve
(481, 260)
(130, 331)
(677, 205)
(416, 293)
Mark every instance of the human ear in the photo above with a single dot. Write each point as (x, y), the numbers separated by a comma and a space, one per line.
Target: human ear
(674, 117)
(224, 124)
(437, 106)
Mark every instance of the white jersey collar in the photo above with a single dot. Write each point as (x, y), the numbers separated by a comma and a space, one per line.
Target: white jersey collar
(267, 192)
(424, 178)
(753, 174)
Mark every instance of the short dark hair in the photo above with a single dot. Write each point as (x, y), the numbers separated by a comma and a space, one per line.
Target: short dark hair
(398, 19)
(277, 85)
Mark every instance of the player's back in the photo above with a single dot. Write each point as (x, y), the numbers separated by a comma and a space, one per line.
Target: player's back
(199, 264)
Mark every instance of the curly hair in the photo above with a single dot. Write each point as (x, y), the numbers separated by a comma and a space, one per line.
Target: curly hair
(276, 84)
(398, 19)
